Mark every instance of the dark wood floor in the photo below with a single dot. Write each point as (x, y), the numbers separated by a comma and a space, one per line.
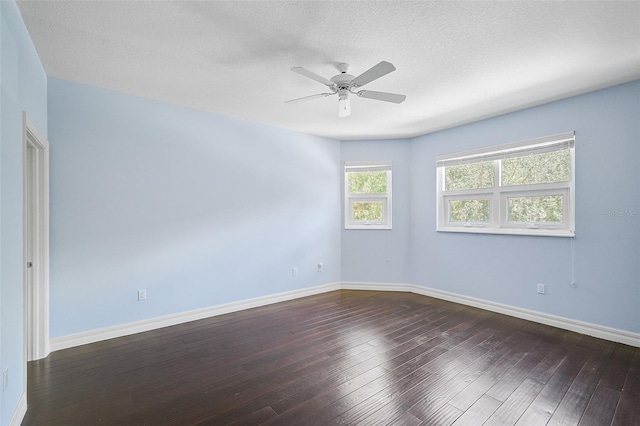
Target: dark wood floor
(345, 357)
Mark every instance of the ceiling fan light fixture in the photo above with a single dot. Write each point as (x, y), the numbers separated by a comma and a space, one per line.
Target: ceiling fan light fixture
(344, 104)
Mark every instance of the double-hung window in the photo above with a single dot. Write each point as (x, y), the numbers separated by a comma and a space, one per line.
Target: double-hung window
(367, 189)
(520, 188)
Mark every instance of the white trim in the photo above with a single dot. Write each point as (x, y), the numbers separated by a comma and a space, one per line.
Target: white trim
(20, 411)
(38, 296)
(475, 229)
(353, 285)
(92, 336)
(590, 329)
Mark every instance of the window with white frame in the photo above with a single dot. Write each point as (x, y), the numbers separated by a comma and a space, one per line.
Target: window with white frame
(367, 195)
(522, 188)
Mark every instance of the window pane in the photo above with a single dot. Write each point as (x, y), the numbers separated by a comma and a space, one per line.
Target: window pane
(469, 176)
(539, 168)
(535, 209)
(367, 211)
(469, 210)
(367, 182)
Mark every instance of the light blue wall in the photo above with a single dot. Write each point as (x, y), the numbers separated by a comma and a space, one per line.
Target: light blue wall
(200, 209)
(380, 255)
(23, 87)
(196, 208)
(506, 269)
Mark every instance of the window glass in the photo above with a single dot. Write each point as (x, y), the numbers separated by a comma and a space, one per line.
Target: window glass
(547, 167)
(469, 176)
(535, 209)
(469, 210)
(367, 182)
(367, 211)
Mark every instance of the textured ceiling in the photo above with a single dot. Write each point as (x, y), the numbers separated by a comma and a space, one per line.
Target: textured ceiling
(456, 61)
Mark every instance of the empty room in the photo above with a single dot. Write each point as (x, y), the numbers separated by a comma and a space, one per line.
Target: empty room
(319, 212)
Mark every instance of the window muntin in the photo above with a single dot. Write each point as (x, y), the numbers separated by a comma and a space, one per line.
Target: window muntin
(520, 188)
(368, 195)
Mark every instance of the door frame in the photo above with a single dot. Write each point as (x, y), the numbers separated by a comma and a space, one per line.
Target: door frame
(36, 297)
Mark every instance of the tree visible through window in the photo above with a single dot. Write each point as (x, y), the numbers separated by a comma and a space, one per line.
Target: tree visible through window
(368, 195)
(526, 187)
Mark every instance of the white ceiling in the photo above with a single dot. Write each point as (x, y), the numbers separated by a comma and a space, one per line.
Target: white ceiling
(456, 61)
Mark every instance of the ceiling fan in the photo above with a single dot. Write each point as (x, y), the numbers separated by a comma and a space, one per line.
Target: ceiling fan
(345, 84)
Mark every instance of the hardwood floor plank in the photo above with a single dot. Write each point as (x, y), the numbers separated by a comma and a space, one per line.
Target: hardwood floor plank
(512, 379)
(255, 418)
(412, 385)
(469, 395)
(515, 405)
(443, 416)
(616, 372)
(575, 401)
(344, 357)
(545, 404)
(449, 385)
(601, 408)
(479, 412)
(627, 411)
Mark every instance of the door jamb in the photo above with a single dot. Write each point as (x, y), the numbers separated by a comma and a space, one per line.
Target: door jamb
(38, 296)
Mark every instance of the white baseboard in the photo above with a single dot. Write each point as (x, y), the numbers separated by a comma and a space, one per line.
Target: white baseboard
(20, 411)
(599, 331)
(91, 336)
(100, 334)
(352, 285)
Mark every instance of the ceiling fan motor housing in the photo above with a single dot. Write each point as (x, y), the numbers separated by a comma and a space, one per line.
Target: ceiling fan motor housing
(343, 81)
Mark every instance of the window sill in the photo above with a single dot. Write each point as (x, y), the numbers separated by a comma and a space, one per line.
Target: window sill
(388, 227)
(511, 231)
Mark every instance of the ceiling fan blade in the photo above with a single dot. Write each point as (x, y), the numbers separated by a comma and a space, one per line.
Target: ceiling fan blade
(305, 98)
(313, 76)
(377, 71)
(382, 96)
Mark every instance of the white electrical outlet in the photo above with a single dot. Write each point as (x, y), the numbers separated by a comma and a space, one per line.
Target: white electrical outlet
(294, 271)
(320, 266)
(541, 288)
(142, 294)
(5, 379)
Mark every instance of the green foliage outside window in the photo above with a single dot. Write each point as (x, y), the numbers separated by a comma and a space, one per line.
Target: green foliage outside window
(367, 210)
(469, 210)
(469, 176)
(367, 182)
(536, 209)
(548, 167)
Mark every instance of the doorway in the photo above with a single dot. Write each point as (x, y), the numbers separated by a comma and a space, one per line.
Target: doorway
(35, 156)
